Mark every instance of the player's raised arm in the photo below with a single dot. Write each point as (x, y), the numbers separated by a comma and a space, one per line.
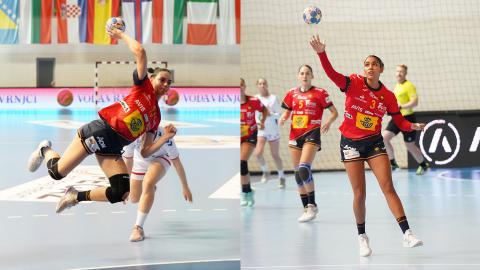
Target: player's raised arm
(319, 47)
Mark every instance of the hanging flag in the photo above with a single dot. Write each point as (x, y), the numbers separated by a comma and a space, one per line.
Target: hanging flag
(35, 24)
(201, 18)
(68, 15)
(154, 21)
(93, 17)
(9, 22)
(237, 20)
(226, 27)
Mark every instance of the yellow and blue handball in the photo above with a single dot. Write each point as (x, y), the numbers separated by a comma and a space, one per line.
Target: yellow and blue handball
(312, 15)
(115, 22)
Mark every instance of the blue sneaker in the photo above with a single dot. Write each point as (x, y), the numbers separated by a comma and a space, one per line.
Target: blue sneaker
(243, 199)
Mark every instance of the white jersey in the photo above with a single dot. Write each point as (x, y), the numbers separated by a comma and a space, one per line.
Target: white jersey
(272, 130)
(164, 154)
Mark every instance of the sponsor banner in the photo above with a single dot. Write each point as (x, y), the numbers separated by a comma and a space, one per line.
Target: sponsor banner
(450, 139)
(83, 98)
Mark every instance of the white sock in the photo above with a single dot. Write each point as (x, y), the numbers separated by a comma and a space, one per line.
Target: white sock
(264, 168)
(281, 174)
(141, 217)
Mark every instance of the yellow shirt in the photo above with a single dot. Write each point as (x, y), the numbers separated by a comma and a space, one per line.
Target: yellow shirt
(405, 92)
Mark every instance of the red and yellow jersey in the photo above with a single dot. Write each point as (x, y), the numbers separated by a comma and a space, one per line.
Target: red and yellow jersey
(248, 125)
(365, 108)
(307, 109)
(135, 114)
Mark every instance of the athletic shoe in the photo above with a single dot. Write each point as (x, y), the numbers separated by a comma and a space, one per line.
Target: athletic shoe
(265, 176)
(410, 240)
(421, 170)
(36, 157)
(68, 200)
(309, 213)
(137, 234)
(250, 198)
(243, 199)
(364, 244)
(281, 182)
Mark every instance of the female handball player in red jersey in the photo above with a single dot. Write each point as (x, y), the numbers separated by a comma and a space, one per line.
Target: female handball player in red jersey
(367, 101)
(248, 132)
(305, 105)
(119, 125)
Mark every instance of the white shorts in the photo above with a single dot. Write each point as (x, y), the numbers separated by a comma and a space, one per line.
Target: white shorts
(140, 166)
(269, 134)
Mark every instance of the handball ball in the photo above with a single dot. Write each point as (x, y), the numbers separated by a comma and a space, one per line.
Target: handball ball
(65, 97)
(172, 97)
(312, 15)
(115, 22)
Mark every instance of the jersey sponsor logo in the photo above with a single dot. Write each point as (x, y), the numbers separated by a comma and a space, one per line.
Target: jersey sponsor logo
(310, 104)
(366, 122)
(350, 153)
(361, 99)
(244, 130)
(140, 105)
(347, 115)
(382, 107)
(134, 123)
(124, 105)
(299, 121)
(145, 116)
(357, 108)
(316, 122)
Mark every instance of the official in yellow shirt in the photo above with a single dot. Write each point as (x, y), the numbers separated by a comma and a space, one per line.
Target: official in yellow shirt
(407, 99)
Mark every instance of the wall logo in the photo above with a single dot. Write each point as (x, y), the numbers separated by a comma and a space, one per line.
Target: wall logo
(440, 142)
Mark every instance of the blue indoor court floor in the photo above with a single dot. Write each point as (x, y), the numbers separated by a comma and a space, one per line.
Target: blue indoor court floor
(442, 207)
(202, 235)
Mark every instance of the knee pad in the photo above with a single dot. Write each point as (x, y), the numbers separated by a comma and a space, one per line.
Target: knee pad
(305, 172)
(119, 187)
(297, 178)
(52, 165)
(243, 167)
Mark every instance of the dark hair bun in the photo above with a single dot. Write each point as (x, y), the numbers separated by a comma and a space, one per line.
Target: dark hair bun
(150, 70)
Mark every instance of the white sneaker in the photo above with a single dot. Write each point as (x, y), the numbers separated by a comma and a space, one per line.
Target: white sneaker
(309, 213)
(36, 157)
(243, 199)
(68, 200)
(364, 244)
(410, 240)
(265, 176)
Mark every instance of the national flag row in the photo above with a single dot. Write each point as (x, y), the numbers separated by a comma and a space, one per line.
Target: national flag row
(208, 22)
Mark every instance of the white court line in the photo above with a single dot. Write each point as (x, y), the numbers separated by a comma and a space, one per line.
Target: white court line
(67, 214)
(151, 264)
(40, 215)
(118, 212)
(220, 209)
(14, 217)
(169, 210)
(91, 213)
(229, 190)
(195, 210)
(350, 265)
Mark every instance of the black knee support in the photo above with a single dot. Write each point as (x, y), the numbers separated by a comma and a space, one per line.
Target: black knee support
(119, 187)
(305, 173)
(243, 167)
(297, 178)
(52, 165)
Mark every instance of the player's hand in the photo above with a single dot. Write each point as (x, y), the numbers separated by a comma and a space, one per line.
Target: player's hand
(281, 121)
(170, 131)
(187, 195)
(325, 128)
(316, 44)
(261, 126)
(418, 126)
(114, 33)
